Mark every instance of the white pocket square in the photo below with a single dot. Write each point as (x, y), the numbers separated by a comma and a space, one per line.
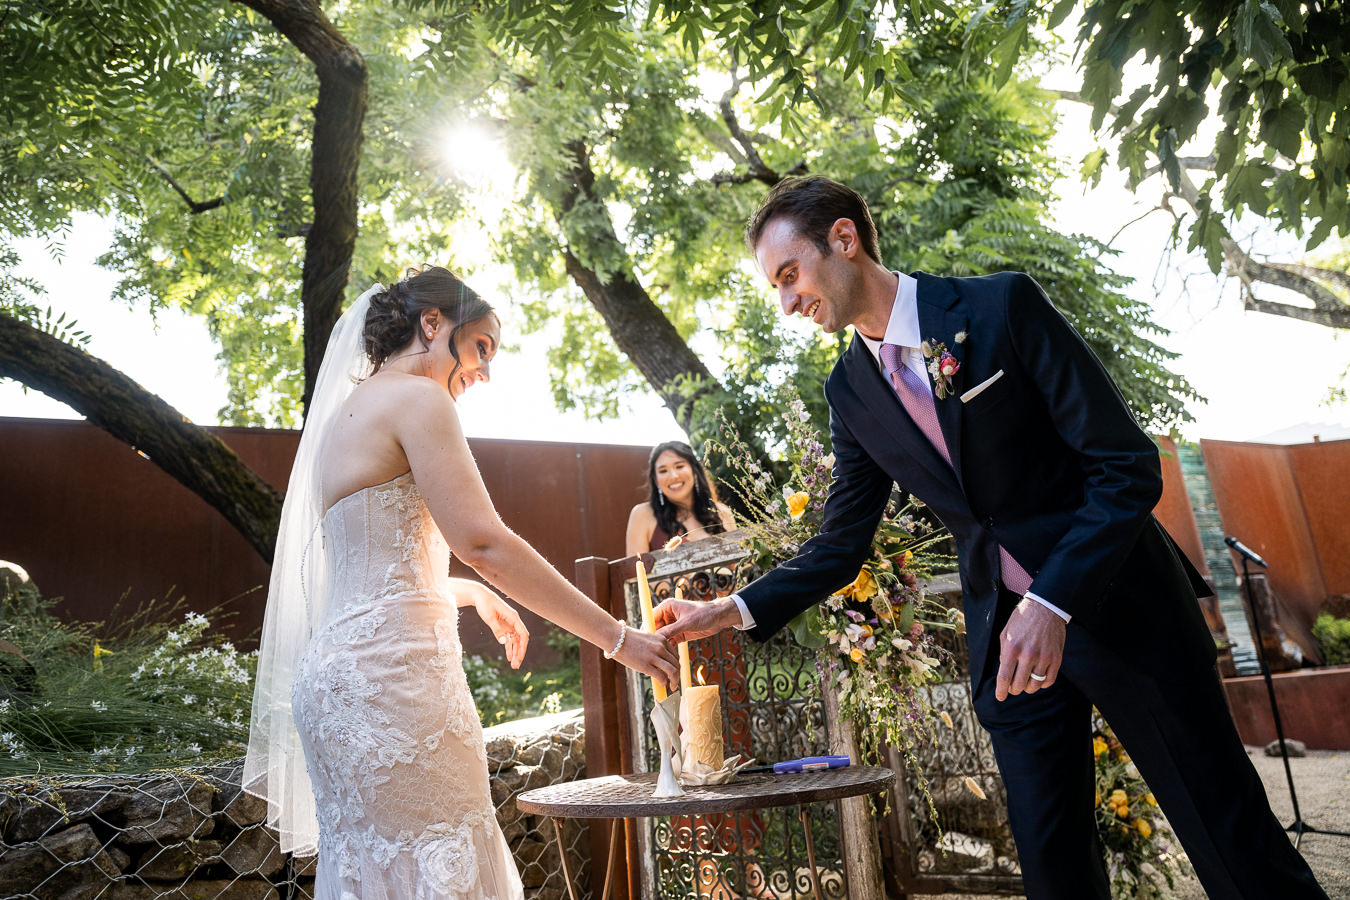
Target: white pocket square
(971, 394)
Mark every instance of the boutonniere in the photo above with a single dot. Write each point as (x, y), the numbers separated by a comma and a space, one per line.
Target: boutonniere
(942, 365)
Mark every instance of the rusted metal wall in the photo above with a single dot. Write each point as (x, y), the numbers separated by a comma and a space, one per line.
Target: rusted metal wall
(1289, 504)
(90, 519)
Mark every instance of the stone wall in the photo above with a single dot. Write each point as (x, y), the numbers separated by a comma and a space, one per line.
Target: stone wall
(192, 833)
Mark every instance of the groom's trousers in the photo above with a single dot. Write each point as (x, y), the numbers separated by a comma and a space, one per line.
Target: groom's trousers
(1174, 722)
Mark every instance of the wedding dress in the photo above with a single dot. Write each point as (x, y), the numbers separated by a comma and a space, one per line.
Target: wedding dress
(391, 737)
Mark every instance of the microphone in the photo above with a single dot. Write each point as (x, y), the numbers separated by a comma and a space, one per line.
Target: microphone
(1245, 551)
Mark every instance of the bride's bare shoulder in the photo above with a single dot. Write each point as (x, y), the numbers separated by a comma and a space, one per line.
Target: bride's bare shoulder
(396, 395)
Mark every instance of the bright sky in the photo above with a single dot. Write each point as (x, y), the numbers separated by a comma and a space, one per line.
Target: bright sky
(1261, 374)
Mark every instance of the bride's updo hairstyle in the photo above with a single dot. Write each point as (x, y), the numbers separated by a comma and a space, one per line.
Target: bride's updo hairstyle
(394, 318)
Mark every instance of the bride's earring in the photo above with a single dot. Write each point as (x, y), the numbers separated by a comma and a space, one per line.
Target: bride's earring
(662, 495)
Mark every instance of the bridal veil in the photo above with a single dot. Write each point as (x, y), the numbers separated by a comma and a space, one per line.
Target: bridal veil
(275, 766)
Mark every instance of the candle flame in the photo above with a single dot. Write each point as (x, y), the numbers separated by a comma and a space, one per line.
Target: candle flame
(700, 676)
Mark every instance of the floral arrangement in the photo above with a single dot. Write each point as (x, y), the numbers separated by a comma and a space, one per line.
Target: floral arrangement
(1142, 856)
(875, 640)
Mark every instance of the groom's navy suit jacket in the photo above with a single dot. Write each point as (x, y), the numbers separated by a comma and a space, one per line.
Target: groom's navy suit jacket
(1047, 460)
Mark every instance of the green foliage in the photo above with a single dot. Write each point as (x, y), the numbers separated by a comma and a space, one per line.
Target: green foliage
(1272, 72)
(959, 181)
(1333, 638)
(142, 695)
(504, 695)
(198, 142)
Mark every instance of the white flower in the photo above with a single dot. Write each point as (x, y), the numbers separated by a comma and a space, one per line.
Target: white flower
(828, 462)
(900, 643)
(4, 707)
(189, 699)
(1147, 869)
(960, 337)
(196, 619)
(99, 706)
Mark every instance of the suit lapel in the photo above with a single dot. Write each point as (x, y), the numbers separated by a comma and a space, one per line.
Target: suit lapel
(866, 379)
(939, 322)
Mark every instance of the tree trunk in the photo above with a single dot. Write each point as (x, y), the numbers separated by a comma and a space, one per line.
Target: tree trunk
(109, 399)
(639, 327)
(339, 116)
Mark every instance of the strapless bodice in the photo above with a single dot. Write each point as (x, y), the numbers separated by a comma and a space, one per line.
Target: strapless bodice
(381, 542)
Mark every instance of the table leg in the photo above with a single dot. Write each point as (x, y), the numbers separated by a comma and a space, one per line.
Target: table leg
(613, 855)
(562, 854)
(804, 813)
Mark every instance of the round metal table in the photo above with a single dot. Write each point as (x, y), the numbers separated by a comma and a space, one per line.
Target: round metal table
(630, 796)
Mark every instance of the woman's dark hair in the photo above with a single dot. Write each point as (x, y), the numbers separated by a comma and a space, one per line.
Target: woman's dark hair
(395, 314)
(813, 203)
(705, 495)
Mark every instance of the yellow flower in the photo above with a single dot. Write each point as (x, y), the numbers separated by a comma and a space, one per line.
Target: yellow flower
(856, 655)
(100, 652)
(796, 503)
(946, 718)
(863, 587)
(1123, 810)
(1098, 801)
(1152, 800)
(1143, 827)
(973, 786)
(866, 630)
(1098, 747)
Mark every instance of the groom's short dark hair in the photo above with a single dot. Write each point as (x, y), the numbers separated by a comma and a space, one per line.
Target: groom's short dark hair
(813, 203)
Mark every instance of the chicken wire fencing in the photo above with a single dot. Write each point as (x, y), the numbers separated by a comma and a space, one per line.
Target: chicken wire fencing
(192, 834)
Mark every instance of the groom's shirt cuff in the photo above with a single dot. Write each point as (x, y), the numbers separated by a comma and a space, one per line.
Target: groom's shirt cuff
(747, 620)
(1030, 596)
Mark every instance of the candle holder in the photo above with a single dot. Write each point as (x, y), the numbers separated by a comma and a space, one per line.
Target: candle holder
(666, 719)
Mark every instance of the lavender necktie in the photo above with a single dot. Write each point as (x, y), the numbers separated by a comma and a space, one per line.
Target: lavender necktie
(917, 398)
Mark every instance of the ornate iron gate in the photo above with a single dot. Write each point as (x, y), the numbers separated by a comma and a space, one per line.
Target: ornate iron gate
(767, 711)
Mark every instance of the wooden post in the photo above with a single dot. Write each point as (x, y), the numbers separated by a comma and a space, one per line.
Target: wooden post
(605, 712)
(857, 827)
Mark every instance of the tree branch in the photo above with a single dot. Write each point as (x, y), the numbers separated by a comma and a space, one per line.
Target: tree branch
(757, 169)
(639, 327)
(109, 399)
(1328, 308)
(339, 116)
(193, 206)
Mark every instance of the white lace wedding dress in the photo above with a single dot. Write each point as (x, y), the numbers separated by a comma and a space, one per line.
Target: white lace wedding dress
(390, 733)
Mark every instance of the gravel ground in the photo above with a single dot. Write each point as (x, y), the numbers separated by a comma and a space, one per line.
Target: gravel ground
(1322, 780)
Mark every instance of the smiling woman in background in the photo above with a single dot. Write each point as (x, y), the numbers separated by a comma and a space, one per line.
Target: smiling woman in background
(681, 501)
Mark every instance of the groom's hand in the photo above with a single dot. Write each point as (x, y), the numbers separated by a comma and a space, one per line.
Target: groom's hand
(1032, 643)
(687, 620)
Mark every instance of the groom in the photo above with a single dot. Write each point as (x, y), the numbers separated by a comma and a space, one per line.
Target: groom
(1074, 595)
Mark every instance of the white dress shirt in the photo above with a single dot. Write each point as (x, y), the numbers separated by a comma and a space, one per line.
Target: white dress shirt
(902, 329)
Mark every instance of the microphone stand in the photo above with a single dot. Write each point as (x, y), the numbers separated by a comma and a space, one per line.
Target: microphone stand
(1298, 827)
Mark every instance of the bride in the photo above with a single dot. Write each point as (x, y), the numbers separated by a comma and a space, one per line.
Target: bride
(365, 741)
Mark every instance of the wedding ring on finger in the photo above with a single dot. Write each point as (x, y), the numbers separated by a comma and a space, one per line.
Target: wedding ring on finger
(1035, 677)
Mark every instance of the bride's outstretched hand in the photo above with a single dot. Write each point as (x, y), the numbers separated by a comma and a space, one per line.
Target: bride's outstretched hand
(506, 626)
(650, 655)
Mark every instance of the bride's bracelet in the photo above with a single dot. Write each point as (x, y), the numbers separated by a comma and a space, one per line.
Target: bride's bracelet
(623, 635)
